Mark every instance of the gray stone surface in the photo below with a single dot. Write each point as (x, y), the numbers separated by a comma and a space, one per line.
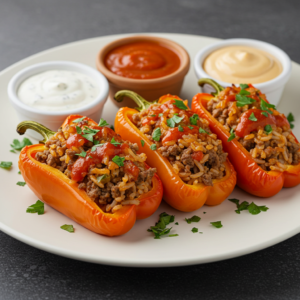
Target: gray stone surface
(27, 27)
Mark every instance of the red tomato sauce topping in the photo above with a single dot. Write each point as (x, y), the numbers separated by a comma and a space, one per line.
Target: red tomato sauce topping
(142, 60)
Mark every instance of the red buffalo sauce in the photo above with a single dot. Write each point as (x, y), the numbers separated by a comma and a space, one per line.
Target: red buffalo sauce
(246, 126)
(142, 60)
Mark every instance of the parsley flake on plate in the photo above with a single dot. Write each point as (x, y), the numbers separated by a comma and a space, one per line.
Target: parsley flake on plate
(265, 106)
(21, 183)
(114, 142)
(156, 134)
(103, 123)
(244, 86)
(6, 165)
(82, 154)
(194, 230)
(79, 120)
(160, 227)
(171, 235)
(12, 151)
(252, 118)
(195, 219)
(232, 135)
(17, 145)
(119, 160)
(180, 104)
(19, 172)
(176, 223)
(193, 119)
(252, 208)
(291, 119)
(142, 143)
(38, 208)
(216, 224)
(174, 120)
(243, 100)
(153, 147)
(268, 129)
(67, 227)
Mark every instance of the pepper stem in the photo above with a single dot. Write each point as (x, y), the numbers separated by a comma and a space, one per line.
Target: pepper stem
(211, 82)
(41, 129)
(139, 100)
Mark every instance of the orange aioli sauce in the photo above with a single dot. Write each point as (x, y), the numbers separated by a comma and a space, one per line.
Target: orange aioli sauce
(142, 60)
(240, 64)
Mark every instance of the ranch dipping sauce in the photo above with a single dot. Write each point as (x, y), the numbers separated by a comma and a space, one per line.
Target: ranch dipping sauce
(58, 90)
(242, 64)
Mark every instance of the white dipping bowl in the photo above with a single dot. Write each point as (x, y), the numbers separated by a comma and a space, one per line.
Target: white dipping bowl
(54, 119)
(272, 88)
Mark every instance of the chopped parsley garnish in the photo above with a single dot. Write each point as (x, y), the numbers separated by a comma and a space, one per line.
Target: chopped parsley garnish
(243, 100)
(176, 223)
(160, 115)
(193, 219)
(12, 151)
(152, 115)
(201, 130)
(180, 128)
(38, 208)
(79, 120)
(21, 183)
(112, 127)
(204, 212)
(264, 113)
(89, 133)
(291, 119)
(6, 165)
(252, 208)
(90, 157)
(191, 127)
(153, 147)
(119, 160)
(78, 130)
(264, 106)
(194, 230)
(82, 154)
(193, 119)
(17, 145)
(180, 104)
(96, 142)
(174, 120)
(68, 228)
(268, 129)
(114, 142)
(244, 93)
(232, 135)
(19, 172)
(171, 235)
(216, 224)
(96, 146)
(156, 134)
(103, 123)
(201, 232)
(160, 227)
(102, 177)
(252, 118)
(142, 143)
(244, 86)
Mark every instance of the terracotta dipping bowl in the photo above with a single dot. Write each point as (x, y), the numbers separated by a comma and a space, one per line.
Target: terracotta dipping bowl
(150, 89)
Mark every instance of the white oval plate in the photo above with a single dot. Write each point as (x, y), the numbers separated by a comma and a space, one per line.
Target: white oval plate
(241, 234)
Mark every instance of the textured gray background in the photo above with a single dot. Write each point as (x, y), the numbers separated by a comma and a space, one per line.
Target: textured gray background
(27, 27)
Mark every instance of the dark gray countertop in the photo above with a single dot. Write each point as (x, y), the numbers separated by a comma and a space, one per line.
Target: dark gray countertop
(30, 26)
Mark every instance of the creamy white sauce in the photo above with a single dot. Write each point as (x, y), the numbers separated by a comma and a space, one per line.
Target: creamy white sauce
(58, 90)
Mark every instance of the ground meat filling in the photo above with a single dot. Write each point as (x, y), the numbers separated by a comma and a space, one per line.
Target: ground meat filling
(273, 150)
(195, 153)
(106, 183)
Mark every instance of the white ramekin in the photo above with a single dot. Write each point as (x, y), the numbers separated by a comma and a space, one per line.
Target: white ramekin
(272, 88)
(53, 119)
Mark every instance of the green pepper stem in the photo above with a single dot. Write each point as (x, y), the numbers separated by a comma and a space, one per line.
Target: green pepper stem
(211, 82)
(139, 100)
(41, 129)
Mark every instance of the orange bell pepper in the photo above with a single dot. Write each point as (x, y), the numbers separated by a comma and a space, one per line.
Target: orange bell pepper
(178, 194)
(57, 190)
(250, 177)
